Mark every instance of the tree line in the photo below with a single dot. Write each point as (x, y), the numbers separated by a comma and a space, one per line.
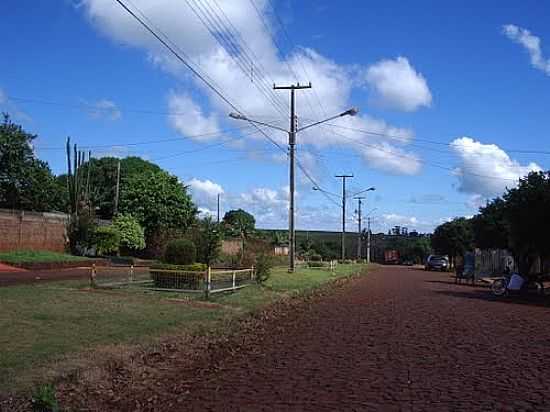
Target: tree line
(152, 206)
(517, 221)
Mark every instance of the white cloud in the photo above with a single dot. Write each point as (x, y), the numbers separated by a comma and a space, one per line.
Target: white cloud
(531, 44)
(105, 109)
(205, 192)
(190, 120)
(332, 82)
(396, 84)
(486, 169)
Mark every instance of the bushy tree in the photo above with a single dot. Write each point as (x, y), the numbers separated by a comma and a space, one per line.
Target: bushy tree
(180, 252)
(489, 226)
(106, 240)
(207, 236)
(132, 235)
(453, 238)
(25, 181)
(526, 212)
(159, 202)
(239, 223)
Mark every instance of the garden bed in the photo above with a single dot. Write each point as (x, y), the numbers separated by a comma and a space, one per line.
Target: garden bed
(44, 260)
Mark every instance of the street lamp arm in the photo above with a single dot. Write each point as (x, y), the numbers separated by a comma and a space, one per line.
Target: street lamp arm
(238, 116)
(351, 112)
(370, 189)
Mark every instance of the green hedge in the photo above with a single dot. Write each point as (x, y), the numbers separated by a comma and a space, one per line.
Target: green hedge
(315, 264)
(189, 277)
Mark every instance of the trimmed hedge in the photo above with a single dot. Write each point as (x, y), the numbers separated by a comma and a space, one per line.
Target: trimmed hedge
(189, 277)
(315, 264)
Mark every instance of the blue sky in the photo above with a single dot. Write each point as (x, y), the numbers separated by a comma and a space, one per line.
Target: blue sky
(445, 93)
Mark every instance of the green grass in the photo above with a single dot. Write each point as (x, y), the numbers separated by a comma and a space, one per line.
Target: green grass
(35, 256)
(42, 323)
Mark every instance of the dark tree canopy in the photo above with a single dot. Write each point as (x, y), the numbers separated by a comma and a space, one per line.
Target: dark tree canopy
(25, 181)
(526, 211)
(489, 226)
(239, 223)
(453, 238)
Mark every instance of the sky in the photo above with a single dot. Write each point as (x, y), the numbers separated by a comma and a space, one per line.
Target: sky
(453, 98)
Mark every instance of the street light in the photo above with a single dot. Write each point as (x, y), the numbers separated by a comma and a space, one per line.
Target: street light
(292, 142)
(370, 189)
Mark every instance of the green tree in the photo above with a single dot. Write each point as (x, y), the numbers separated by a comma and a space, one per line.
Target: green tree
(103, 178)
(160, 203)
(453, 238)
(489, 226)
(25, 181)
(526, 214)
(132, 235)
(238, 223)
(207, 236)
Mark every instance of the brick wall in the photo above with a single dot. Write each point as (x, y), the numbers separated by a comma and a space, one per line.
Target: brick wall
(32, 230)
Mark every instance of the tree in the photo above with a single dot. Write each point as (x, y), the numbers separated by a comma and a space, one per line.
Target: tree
(489, 226)
(526, 215)
(103, 178)
(132, 235)
(160, 203)
(207, 236)
(238, 223)
(453, 238)
(25, 181)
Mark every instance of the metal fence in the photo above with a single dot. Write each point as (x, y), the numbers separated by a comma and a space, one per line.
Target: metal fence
(206, 282)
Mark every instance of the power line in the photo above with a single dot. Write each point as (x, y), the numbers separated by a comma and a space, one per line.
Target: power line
(193, 70)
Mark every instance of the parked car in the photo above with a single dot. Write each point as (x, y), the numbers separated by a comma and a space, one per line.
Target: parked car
(437, 262)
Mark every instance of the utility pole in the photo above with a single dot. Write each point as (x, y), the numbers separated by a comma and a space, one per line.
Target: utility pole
(368, 240)
(292, 148)
(117, 190)
(218, 208)
(359, 234)
(343, 177)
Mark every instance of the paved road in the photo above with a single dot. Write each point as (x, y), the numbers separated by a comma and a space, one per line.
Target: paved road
(398, 339)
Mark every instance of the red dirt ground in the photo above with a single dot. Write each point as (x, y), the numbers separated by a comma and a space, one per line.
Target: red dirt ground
(397, 339)
(8, 268)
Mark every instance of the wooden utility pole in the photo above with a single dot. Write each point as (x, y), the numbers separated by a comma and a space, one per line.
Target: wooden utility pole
(359, 234)
(368, 240)
(218, 208)
(343, 177)
(292, 144)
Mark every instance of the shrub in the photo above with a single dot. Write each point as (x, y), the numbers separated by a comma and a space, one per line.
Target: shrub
(315, 258)
(207, 236)
(44, 400)
(180, 277)
(315, 264)
(180, 252)
(106, 239)
(264, 264)
(132, 235)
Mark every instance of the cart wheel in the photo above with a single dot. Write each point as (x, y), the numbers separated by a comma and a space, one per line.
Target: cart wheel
(499, 287)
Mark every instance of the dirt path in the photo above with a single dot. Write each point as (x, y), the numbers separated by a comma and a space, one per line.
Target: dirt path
(398, 339)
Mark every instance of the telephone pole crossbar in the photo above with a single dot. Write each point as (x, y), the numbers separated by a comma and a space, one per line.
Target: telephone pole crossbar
(292, 149)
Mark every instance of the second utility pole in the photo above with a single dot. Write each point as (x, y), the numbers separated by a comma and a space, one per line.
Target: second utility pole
(343, 177)
(292, 144)
(359, 199)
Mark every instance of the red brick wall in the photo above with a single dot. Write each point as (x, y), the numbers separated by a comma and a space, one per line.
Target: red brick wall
(32, 230)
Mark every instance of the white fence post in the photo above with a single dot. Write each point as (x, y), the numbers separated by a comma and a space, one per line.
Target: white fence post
(234, 280)
(252, 273)
(208, 282)
(132, 273)
(93, 275)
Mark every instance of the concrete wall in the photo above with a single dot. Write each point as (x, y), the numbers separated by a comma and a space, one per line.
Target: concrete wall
(32, 230)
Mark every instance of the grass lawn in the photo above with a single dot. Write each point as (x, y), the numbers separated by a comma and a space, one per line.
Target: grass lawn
(42, 323)
(35, 256)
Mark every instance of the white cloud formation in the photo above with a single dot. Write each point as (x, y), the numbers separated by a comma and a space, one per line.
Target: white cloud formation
(105, 109)
(486, 169)
(190, 119)
(396, 84)
(204, 192)
(531, 44)
(240, 81)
